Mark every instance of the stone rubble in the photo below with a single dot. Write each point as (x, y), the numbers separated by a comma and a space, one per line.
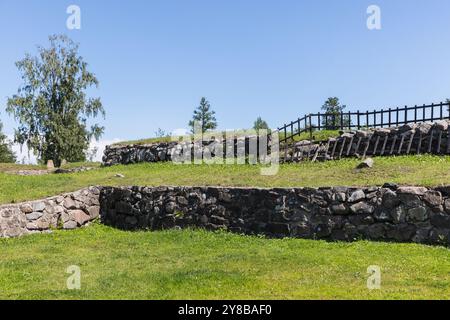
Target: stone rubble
(73, 170)
(414, 138)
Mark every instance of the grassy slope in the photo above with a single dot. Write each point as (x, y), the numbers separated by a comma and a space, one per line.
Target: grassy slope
(197, 265)
(5, 167)
(317, 135)
(411, 170)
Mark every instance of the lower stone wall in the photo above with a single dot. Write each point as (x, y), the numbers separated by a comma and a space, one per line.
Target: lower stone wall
(390, 213)
(67, 211)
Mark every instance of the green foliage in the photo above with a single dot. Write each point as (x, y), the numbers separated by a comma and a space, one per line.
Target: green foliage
(334, 109)
(52, 106)
(6, 153)
(260, 124)
(203, 117)
(197, 264)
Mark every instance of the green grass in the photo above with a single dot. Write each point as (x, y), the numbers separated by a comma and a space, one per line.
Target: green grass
(5, 167)
(144, 141)
(195, 264)
(321, 135)
(406, 170)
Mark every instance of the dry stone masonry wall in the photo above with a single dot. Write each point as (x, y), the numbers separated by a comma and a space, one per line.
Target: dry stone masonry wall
(129, 154)
(389, 213)
(179, 151)
(68, 211)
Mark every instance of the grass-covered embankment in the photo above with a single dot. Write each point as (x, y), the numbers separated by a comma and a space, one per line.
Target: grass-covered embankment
(205, 265)
(406, 170)
(316, 136)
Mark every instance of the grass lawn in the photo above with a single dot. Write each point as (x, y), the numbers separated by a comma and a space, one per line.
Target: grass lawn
(195, 264)
(408, 170)
(198, 265)
(8, 167)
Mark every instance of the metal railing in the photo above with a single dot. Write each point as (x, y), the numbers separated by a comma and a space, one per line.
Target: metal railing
(363, 120)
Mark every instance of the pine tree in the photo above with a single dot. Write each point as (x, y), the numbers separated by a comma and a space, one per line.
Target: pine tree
(203, 117)
(334, 109)
(260, 124)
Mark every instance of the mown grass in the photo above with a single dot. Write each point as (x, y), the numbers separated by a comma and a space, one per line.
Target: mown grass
(321, 135)
(195, 264)
(145, 141)
(406, 170)
(10, 167)
(5, 167)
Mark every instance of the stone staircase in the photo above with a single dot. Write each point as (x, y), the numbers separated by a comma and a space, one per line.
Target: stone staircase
(414, 138)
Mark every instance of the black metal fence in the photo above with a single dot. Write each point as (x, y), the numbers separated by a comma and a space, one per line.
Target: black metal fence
(362, 120)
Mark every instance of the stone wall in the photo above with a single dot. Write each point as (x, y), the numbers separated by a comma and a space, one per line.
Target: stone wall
(413, 138)
(67, 211)
(129, 154)
(181, 151)
(389, 213)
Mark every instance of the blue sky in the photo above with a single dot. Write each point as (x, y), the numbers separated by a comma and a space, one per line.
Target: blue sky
(277, 59)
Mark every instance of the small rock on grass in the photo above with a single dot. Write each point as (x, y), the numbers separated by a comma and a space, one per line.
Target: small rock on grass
(119, 175)
(368, 163)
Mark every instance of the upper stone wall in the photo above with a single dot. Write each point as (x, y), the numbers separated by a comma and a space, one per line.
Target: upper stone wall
(431, 138)
(166, 151)
(129, 154)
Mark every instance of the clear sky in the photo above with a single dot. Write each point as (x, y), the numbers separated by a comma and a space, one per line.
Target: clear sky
(275, 59)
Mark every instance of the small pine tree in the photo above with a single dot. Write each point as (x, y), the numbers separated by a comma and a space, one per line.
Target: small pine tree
(160, 133)
(204, 117)
(6, 153)
(260, 124)
(333, 108)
